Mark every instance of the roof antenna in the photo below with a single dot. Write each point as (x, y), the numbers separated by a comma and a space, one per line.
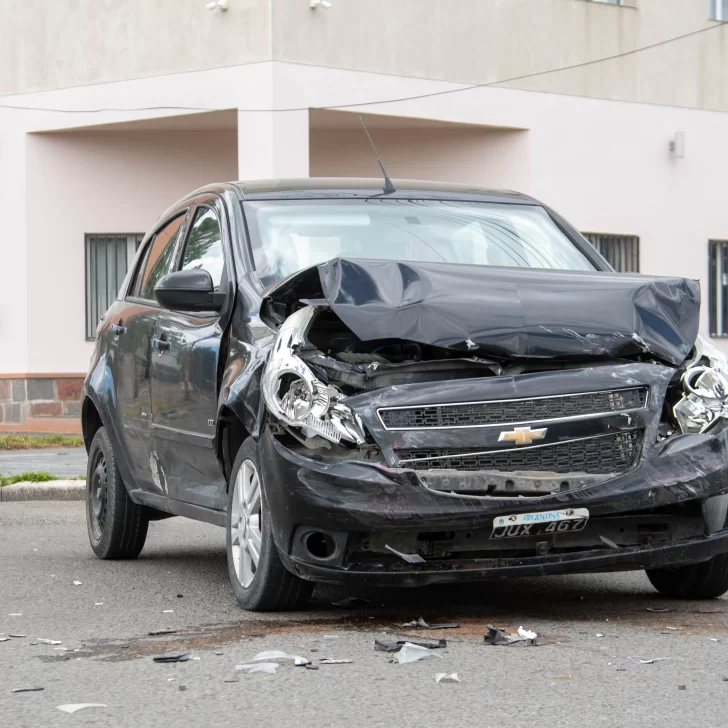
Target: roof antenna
(388, 186)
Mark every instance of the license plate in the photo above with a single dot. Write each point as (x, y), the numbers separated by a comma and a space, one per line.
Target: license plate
(540, 524)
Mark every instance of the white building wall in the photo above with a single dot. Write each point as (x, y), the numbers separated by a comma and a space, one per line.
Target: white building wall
(98, 182)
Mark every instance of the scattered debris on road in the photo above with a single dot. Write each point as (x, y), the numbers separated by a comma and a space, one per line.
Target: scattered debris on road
(270, 655)
(156, 632)
(443, 677)
(648, 661)
(498, 636)
(424, 625)
(332, 661)
(17, 636)
(75, 707)
(77, 582)
(48, 642)
(392, 646)
(27, 690)
(659, 609)
(183, 657)
(412, 653)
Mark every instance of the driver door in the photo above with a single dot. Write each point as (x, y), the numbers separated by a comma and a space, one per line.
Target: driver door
(184, 375)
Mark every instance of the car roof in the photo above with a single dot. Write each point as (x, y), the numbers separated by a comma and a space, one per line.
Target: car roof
(348, 187)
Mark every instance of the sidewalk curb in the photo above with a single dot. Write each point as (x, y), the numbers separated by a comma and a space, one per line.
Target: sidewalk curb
(51, 490)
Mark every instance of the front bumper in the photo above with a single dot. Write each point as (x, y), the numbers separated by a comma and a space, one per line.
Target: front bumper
(350, 501)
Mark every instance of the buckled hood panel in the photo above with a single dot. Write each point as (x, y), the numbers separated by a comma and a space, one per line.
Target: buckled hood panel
(500, 312)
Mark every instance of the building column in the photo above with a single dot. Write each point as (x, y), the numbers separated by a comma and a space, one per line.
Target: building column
(273, 145)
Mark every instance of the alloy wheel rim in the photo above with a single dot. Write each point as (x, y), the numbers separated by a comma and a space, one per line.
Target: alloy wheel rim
(98, 488)
(246, 523)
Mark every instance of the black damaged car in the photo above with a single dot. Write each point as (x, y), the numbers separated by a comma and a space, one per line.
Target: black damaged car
(405, 386)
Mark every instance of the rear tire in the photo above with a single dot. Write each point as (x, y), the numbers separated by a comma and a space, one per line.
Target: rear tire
(117, 527)
(258, 577)
(706, 580)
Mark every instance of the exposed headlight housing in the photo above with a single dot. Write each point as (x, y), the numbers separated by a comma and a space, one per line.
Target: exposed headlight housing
(705, 398)
(296, 397)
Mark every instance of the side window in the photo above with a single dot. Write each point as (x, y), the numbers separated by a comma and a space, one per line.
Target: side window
(204, 246)
(158, 261)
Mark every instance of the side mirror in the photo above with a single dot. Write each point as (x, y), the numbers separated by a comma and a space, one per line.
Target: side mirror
(189, 290)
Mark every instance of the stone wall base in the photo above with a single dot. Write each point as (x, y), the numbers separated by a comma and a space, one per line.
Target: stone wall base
(47, 403)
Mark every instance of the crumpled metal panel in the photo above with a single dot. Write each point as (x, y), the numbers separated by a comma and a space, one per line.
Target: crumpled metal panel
(505, 312)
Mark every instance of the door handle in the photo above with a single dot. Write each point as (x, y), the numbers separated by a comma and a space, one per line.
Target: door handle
(160, 345)
(118, 329)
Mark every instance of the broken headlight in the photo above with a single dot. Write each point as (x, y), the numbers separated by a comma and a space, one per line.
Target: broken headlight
(705, 400)
(296, 397)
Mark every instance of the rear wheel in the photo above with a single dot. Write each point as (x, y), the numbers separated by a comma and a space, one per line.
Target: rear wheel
(706, 580)
(117, 527)
(259, 580)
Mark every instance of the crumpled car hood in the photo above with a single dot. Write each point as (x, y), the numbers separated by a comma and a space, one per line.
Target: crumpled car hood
(501, 312)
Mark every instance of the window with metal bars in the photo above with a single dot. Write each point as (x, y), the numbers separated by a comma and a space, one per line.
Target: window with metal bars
(108, 257)
(718, 287)
(719, 10)
(621, 251)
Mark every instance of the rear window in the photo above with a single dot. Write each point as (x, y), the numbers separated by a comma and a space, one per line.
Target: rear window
(289, 235)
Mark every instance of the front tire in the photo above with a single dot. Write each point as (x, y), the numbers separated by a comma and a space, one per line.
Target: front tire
(706, 580)
(117, 527)
(259, 580)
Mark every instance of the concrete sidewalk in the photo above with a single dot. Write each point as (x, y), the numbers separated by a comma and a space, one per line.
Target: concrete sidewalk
(52, 490)
(64, 462)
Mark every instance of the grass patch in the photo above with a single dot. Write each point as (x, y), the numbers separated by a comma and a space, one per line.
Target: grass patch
(33, 442)
(27, 477)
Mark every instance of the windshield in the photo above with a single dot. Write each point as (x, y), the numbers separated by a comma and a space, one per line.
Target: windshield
(289, 235)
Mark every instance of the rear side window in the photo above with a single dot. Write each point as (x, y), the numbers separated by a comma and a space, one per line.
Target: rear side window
(158, 260)
(204, 246)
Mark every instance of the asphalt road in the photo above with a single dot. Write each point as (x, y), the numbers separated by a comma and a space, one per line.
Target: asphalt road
(65, 462)
(581, 676)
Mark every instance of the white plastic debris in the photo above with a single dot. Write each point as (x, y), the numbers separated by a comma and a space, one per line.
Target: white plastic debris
(332, 661)
(649, 661)
(278, 655)
(75, 707)
(267, 667)
(49, 642)
(412, 653)
(167, 611)
(4, 639)
(77, 582)
(98, 604)
(15, 614)
(526, 634)
(443, 677)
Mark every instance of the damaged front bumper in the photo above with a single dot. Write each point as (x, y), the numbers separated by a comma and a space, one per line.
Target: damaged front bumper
(331, 520)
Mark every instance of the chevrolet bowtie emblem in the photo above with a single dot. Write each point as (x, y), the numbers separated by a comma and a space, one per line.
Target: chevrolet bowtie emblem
(522, 435)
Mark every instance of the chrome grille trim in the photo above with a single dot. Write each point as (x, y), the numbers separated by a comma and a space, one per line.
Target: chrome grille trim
(509, 423)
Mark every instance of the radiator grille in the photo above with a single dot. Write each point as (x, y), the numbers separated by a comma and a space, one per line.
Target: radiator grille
(476, 414)
(598, 455)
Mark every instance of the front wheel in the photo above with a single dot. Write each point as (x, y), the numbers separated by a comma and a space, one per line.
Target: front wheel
(117, 527)
(706, 580)
(259, 580)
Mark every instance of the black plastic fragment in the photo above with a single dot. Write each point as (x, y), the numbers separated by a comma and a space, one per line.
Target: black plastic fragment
(390, 646)
(184, 657)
